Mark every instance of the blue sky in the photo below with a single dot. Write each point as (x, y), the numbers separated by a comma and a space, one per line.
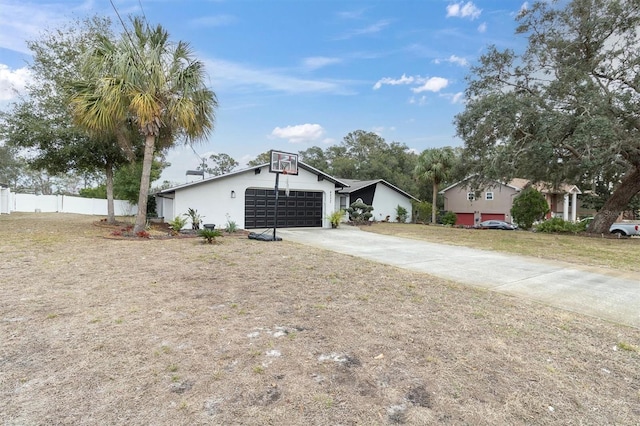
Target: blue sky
(293, 74)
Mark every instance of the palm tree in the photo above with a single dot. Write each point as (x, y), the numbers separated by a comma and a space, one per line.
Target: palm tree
(435, 165)
(145, 80)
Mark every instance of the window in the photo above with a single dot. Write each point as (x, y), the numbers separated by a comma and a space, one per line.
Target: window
(488, 196)
(471, 196)
(343, 202)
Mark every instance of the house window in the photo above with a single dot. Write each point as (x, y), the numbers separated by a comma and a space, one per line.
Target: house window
(471, 196)
(343, 202)
(488, 196)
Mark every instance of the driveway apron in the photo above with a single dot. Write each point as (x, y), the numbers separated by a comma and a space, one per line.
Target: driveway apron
(609, 297)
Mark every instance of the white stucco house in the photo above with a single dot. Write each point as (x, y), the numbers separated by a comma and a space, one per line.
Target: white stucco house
(247, 197)
(383, 196)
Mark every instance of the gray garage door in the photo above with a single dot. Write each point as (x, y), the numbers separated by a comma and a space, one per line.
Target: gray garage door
(299, 209)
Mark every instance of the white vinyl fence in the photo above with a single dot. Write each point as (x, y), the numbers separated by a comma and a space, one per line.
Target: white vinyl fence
(63, 204)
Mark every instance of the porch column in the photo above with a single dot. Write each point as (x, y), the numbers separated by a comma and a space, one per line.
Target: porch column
(574, 206)
(565, 208)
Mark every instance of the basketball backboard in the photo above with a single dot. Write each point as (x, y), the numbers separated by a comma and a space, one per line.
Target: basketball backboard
(283, 162)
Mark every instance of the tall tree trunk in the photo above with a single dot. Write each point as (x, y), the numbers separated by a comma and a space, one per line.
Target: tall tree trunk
(622, 195)
(111, 217)
(149, 150)
(434, 201)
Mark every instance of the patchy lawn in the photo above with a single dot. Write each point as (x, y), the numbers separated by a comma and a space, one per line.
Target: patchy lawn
(615, 254)
(103, 331)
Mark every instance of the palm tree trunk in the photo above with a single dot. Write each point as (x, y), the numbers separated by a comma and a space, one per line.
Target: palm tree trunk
(434, 200)
(149, 151)
(111, 217)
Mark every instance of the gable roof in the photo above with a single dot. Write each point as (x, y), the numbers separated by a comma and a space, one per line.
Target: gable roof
(355, 185)
(519, 184)
(337, 182)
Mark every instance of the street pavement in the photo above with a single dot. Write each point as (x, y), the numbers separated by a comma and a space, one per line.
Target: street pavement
(611, 296)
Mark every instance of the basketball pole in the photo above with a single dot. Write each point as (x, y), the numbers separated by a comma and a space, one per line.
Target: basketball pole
(275, 218)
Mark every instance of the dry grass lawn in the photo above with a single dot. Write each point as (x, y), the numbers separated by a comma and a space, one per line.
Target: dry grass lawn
(137, 332)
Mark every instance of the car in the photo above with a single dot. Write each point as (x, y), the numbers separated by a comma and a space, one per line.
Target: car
(497, 224)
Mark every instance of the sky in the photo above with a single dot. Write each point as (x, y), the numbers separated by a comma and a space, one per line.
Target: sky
(292, 74)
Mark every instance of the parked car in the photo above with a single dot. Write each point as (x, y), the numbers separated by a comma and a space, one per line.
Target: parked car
(497, 224)
(625, 229)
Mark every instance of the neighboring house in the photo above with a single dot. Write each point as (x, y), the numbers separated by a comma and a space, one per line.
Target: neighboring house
(494, 202)
(247, 197)
(384, 197)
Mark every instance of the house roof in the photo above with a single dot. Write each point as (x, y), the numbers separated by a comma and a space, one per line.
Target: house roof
(519, 184)
(337, 182)
(355, 185)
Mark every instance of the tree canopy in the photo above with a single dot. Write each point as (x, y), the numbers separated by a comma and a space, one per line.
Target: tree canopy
(365, 155)
(144, 79)
(565, 109)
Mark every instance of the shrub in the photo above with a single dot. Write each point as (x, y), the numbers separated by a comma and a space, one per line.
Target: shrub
(558, 224)
(449, 218)
(177, 224)
(209, 235)
(422, 211)
(231, 226)
(196, 219)
(335, 218)
(528, 207)
(401, 214)
(142, 234)
(359, 212)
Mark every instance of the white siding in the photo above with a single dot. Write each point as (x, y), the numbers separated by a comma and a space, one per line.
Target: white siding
(385, 202)
(213, 198)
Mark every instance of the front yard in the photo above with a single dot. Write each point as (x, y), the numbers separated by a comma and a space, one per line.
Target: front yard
(104, 331)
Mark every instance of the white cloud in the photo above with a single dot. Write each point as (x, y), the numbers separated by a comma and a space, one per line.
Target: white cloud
(422, 100)
(214, 21)
(371, 29)
(393, 82)
(453, 59)
(299, 133)
(482, 28)
(434, 84)
(230, 75)
(13, 82)
(463, 10)
(315, 62)
(458, 98)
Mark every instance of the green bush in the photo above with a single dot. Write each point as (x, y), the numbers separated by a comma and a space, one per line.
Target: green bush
(209, 235)
(528, 207)
(422, 211)
(559, 225)
(449, 218)
(401, 214)
(231, 226)
(177, 224)
(359, 212)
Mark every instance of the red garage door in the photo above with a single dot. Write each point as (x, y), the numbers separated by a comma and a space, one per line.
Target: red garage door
(465, 219)
(491, 216)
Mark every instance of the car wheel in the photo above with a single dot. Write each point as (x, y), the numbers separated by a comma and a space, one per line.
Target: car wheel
(619, 233)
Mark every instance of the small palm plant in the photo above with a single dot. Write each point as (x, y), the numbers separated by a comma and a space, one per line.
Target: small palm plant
(177, 224)
(196, 218)
(209, 235)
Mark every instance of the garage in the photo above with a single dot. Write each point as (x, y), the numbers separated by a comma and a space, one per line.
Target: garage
(298, 209)
(491, 216)
(464, 219)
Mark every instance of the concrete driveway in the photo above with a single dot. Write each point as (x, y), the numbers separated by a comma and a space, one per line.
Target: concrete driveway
(610, 297)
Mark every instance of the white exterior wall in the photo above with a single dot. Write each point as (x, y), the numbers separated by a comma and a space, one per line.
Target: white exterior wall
(385, 201)
(69, 204)
(5, 200)
(213, 198)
